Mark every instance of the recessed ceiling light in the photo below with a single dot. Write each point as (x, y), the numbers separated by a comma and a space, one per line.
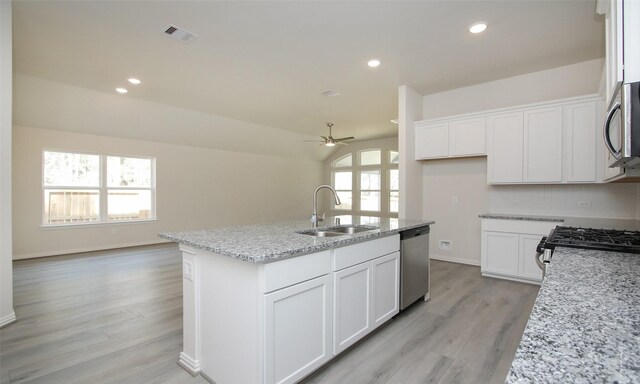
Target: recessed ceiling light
(373, 63)
(135, 81)
(478, 27)
(121, 90)
(394, 121)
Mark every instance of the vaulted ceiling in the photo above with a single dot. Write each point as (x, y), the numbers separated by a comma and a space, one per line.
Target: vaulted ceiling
(268, 62)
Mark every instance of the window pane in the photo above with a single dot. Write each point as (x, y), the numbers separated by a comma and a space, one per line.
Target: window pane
(128, 172)
(371, 157)
(71, 169)
(394, 157)
(345, 200)
(370, 201)
(370, 180)
(342, 180)
(71, 206)
(394, 179)
(125, 204)
(394, 201)
(344, 161)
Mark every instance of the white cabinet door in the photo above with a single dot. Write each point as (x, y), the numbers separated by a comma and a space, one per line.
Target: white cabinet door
(528, 267)
(500, 253)
(613, 36)
(579, 142)
(467, 137)
(352, 298)
(432, 141)
(543, 145)
(504, 148)
(297, 330)
(385, 282)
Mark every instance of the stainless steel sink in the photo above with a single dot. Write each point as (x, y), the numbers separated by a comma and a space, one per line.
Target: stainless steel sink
(338, 230)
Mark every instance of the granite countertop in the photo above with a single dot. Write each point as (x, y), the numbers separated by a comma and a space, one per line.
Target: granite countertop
(570, 221)
(585, 324)
(267, 242)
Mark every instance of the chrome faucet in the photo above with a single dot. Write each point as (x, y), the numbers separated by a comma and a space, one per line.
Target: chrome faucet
(314, 216)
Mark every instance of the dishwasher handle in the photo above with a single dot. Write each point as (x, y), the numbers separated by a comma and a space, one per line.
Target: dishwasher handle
(411, 233)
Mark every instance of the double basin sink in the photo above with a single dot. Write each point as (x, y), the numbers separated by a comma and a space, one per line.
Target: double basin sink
(339, 230)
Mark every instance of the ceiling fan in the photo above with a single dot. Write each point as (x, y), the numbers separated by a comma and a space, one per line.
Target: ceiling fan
(329, 141)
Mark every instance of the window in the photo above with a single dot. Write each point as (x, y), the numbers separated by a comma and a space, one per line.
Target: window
(369, 185)
(83, 188)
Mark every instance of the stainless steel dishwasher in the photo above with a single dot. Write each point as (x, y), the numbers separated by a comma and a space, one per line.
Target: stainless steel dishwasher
(414, 266)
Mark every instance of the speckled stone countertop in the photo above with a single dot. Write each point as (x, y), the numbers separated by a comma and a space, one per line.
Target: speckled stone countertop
(585, 324)
(570, 221)
(513, 216)
(267, 242)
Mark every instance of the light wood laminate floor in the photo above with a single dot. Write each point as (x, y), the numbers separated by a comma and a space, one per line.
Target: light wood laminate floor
(116, 317)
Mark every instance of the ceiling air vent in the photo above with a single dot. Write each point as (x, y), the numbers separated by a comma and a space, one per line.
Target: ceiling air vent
(179, 34)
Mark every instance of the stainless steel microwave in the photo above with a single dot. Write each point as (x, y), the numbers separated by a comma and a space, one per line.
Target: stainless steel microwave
(622, 127)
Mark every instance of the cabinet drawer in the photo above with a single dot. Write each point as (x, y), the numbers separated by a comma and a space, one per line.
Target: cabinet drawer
(359, 253)
(520, 226)
(280, 274)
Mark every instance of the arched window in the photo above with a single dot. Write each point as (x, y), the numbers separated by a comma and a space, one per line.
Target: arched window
(367, 182)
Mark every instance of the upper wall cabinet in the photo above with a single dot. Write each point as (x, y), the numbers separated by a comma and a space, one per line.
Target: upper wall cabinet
(545, 143)
(450, 138)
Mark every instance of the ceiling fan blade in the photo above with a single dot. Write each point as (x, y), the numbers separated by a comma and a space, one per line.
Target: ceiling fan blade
(345, 138)
(325, 138)
(313, 141)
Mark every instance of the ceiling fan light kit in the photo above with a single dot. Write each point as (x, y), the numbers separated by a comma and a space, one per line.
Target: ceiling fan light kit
(329, 141)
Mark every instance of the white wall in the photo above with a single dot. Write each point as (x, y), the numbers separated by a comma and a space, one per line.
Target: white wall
(45, 104)
(466, 179)
(605, 200)
(409, 111)
(196, 188)
(7, 314)
(557, 83)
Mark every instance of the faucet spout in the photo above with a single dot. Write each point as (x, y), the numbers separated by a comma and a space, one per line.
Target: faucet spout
(314, 216)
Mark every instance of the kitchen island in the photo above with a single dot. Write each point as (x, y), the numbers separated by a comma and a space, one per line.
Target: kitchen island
(267, 303)
(585, 324)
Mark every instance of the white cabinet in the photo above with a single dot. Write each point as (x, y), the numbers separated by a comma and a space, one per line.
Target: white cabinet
(366, 284)
(543, 145)
(432, 141)
(386, 288)
(467, 137)
(552, 144)
(504, 149)
(352, 305)
(509, 247)
(278, 322)
(298, 322)
(613, 54)
(455, 138)
(579, 145)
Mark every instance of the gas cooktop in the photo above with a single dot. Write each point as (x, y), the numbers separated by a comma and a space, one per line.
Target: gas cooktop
(590, 238)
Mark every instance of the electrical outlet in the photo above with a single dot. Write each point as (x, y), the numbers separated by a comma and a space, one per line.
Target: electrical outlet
(187, 270)
(445, 245)
(454, 200)
(584, 204)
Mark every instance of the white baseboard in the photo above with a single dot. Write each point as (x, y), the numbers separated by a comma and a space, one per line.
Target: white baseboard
(458, 260)
(190, 365)
(8, 319)
(87, 249)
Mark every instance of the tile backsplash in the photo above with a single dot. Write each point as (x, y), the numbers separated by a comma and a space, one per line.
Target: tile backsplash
(592, 200)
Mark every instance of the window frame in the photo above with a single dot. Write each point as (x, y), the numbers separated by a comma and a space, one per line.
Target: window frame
(356, 169)
(102, 188)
